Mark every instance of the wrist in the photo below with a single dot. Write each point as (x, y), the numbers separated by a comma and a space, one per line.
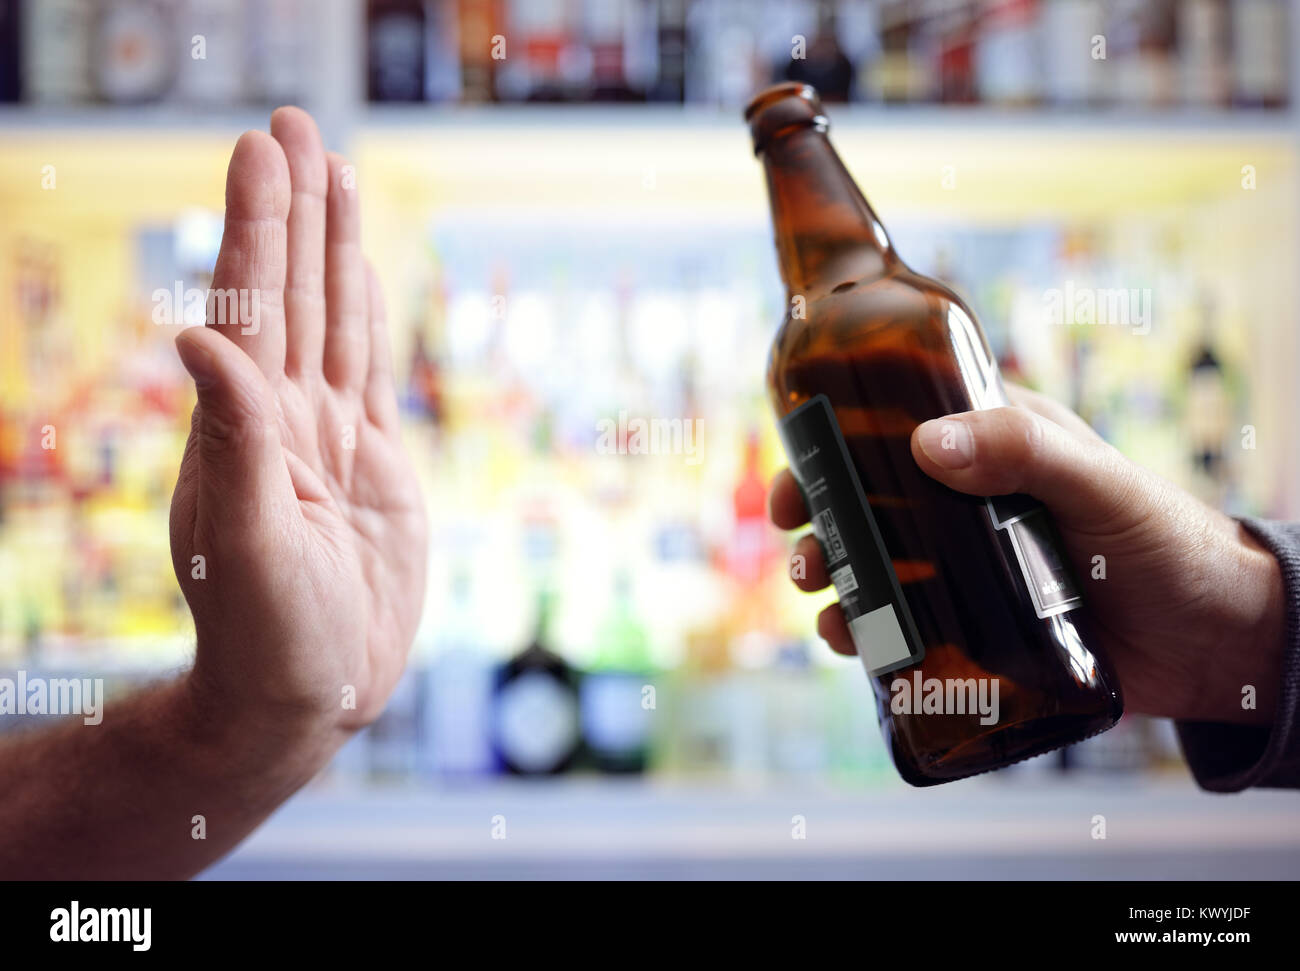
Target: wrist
(1241, 675)
(285, 685)
(245, 737)
(1267, 644)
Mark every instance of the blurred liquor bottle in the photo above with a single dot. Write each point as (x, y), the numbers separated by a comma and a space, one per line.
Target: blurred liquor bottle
(899, 75)
(134, 56)
(210, 37)
(57, 44)
(822, 62)
(1143, 68)
(393, 740)
(752, 562)
(1076, 260)
(954, 30)
(670, 51)
(697, 725)
(274, 39)
(1260, 43)
(752, 550)
(717, 716)
(443, 76)
(456, 738)
(11, 448)
(551, 60)
(618, 692)
(1203, 42)
(535, 717)
(80, 565)
(796, 720)
(1208, 414)
(605, 28)
(425, 387)
(396, 64)
(427, 368)
(38, 294)
(11, 51)
(483, 26)
(1008, 50)
(722, 63)
(1158, 54)
(1074, 35)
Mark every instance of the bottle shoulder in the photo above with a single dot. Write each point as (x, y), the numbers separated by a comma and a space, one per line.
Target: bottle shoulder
(902, 314)
(900, 300)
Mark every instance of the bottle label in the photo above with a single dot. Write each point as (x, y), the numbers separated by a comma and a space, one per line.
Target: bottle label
(1051, 584)
(614, 719)
(880, 623)
(536, 721)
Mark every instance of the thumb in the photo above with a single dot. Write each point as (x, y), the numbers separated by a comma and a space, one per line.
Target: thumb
(1085, 483)
(241, 466)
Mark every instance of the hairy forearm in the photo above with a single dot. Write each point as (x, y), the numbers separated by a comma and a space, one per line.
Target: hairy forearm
(118, 800)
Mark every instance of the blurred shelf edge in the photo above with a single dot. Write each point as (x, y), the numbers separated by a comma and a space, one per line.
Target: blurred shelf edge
(1174, 123)
(27, 118)
(592, 819)
(939, 118)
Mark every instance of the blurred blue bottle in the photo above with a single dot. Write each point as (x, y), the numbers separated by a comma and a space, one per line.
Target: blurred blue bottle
(457, 710)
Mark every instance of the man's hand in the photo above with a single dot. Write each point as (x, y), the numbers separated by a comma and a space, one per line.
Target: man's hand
(294, 487)
(1191, 609)
(296, 494)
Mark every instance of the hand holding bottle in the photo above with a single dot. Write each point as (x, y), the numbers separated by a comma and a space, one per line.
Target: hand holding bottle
(1191, 606)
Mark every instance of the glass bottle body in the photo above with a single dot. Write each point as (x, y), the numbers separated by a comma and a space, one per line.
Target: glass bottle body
(888, 352)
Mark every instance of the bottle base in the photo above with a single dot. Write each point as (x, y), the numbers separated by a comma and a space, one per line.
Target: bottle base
(1008, 746)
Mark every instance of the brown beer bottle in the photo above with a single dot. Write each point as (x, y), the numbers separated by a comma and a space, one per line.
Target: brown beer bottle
(963, 609)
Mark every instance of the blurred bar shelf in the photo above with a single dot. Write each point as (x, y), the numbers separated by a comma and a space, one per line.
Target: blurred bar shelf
(992, 828)
(151, 119)
(960, 120)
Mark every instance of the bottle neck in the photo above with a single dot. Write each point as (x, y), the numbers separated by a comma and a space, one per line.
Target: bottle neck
(826, 232)
(542, 630)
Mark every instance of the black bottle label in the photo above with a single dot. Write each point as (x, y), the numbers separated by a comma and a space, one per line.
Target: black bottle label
(882, 627)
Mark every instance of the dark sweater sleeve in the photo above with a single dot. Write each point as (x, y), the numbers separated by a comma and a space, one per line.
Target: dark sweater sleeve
(1229, 758)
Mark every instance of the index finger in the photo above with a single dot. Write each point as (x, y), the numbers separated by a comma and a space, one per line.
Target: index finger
(785, 505)
(246, 299)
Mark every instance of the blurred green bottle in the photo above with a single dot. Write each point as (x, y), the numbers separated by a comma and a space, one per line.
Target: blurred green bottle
(618, 693)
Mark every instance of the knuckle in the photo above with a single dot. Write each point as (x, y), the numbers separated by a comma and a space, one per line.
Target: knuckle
(1134, 493)
(1023, 436)
(1007, 441)
(242, 426)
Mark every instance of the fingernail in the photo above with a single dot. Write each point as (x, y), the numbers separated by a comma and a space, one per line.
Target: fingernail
(197, 360)
(946, 442)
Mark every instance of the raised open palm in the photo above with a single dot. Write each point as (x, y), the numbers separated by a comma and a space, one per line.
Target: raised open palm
(294, 490)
